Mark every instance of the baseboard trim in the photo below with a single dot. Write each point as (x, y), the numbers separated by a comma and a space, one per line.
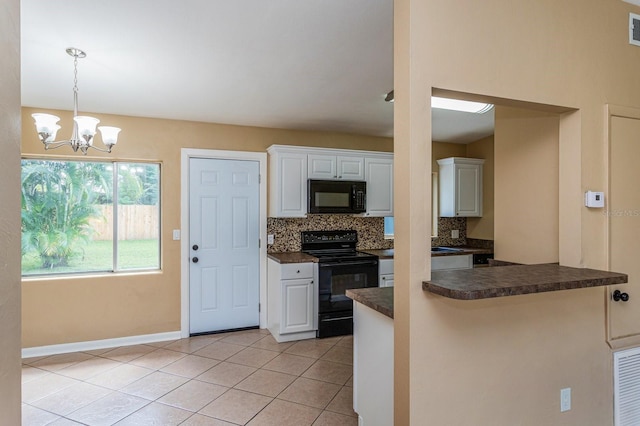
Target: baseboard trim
(99, 344)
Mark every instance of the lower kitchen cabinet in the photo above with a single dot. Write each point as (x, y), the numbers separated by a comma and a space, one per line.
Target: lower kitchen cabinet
(385, 271)
(292, 290)
(441, 263)
(372, 366)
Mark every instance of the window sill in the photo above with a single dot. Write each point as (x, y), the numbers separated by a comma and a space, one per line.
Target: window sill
(88, 275)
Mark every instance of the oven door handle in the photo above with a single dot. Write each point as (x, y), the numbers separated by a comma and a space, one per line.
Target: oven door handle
(365, 263)
(335, 319)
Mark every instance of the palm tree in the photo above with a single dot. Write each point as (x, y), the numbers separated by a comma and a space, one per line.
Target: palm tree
(58, 202)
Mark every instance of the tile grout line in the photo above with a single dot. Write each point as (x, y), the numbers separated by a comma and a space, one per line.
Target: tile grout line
(188, 379)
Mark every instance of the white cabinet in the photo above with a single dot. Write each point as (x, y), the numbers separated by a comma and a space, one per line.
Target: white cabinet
(297, 305)
(288, 183)
(442, 263)
(322, 166)
(292, 312)
(385, 271)
(460, 187)
(291, 166)
(379, 178)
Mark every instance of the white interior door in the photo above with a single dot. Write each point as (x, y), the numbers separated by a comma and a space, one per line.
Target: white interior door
(224, 233)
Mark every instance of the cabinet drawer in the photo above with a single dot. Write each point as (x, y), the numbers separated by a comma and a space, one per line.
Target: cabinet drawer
(292, 271)
(386, 266)
(386, 280)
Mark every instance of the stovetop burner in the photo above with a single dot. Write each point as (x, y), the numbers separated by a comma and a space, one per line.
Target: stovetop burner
(332, 246)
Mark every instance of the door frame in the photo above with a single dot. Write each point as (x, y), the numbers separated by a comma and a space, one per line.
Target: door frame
(185, 156)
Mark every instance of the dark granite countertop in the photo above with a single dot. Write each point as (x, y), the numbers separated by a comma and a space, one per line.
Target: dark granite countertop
(382, 253)
(482, 283)
(463, 250)
(377, 298)
(292, 257)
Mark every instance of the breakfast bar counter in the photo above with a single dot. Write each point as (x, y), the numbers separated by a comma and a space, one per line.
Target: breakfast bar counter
(379, 299)
(482, 283)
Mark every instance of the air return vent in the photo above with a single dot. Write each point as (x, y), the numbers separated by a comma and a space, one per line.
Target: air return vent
(634, 29)
(626, 387)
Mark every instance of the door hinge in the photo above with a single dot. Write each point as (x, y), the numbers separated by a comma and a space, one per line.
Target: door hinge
(259, 307)
(259, 242)
(259, 178)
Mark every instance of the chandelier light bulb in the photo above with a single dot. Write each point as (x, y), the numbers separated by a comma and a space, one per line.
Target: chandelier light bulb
(109, 135)
(86, 127)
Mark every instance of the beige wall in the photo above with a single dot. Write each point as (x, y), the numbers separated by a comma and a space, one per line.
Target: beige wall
(64, 310)
(526, 186)
(440, 150)
(504, 361)
(10, 365)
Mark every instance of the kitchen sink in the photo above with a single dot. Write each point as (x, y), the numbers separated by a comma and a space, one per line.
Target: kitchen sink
(444, 249)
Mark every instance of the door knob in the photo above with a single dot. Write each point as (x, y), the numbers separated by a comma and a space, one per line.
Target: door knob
(195, 247)
(618, 296)
(194, 260)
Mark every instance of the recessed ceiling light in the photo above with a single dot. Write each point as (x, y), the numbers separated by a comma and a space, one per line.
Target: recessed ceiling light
(458, 105)
(453, 104)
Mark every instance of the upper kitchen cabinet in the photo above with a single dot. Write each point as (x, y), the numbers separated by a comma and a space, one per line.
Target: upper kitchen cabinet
(291, 166)
(460, 187)
(288, 182)
(379, 177)
(322, 166)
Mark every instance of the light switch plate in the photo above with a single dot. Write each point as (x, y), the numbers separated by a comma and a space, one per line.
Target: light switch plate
(270, 239)
(176, 235)
(565, 399)
(455, 233)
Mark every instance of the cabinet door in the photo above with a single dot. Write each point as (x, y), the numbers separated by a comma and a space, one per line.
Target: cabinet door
(322, 166)
(291, 197)
(386, 280)
(297, 306)
(379, 177)
(350, 168)
(468, 190)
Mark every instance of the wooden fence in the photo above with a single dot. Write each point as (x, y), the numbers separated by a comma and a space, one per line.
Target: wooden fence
(135, 222)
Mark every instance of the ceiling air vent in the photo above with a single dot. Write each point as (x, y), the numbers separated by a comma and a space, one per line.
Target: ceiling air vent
(634, 29)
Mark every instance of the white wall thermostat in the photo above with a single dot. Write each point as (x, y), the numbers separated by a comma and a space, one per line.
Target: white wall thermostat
(594, 199)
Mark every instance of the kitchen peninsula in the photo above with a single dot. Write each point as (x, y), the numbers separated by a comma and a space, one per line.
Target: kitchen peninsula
(516, 280)
(374, 312)
(373, 355)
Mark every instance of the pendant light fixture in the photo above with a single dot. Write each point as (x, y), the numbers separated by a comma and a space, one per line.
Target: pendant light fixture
(84, 127)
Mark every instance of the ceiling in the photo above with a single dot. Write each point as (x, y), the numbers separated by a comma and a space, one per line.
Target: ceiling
(314, 65)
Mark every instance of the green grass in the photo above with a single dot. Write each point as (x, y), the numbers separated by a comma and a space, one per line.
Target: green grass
(98, 256)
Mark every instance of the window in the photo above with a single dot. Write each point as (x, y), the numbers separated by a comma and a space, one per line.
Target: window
(80, 217)
(388, 227)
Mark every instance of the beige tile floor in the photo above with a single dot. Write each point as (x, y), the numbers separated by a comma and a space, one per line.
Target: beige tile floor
(238, 378)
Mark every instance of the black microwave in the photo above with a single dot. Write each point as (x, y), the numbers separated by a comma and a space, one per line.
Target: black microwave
(336, 196)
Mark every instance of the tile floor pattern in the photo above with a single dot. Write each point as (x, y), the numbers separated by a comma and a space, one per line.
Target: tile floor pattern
(240, 378)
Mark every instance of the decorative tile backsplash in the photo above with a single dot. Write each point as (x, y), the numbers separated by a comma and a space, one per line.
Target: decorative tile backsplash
(448, 224)
(445, 226)
(286, 231)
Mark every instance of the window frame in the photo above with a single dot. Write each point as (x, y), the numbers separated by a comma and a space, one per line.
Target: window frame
(115, 267)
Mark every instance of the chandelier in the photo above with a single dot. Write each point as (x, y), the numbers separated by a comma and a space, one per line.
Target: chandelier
(84, 127)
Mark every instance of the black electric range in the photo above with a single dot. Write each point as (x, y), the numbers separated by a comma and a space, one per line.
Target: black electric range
(340, 267)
